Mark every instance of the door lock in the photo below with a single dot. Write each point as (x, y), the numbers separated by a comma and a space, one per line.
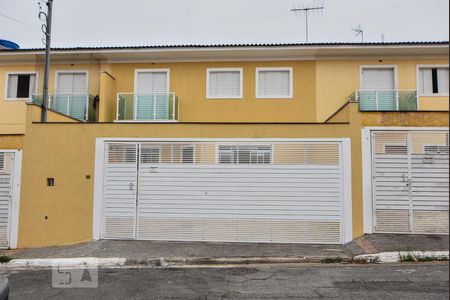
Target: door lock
(131, 186)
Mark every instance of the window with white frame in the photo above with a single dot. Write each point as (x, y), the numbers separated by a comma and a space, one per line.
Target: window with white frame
(224, 83)
(21, 85)
(274, 83)
(434, 81)
(245, 154)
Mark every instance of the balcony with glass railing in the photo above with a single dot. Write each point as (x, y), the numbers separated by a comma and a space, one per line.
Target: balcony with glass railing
(77, 106)
(156, 107)
(386, 100)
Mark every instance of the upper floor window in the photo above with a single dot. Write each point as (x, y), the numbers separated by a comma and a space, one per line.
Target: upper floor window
(433, 81)
(21, 85)
(274, 83)
(224, 84)
(71, 83)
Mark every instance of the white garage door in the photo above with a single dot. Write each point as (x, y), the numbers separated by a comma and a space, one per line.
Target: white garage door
(411, 181)
(230, 192)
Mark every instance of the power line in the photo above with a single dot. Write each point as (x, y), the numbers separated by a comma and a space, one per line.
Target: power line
(18, 21)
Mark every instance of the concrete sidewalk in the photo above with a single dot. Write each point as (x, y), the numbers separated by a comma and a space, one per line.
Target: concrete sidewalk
(135, 252)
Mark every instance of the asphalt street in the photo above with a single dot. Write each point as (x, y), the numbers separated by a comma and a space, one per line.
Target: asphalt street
(401, 281)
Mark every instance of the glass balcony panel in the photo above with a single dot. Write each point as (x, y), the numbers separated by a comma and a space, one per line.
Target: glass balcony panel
(147, 107)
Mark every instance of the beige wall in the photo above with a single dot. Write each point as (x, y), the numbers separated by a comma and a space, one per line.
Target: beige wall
(63, 214)
(320, 88)
(337, 80)
(188, 81)
(11, 141)
(13, 113)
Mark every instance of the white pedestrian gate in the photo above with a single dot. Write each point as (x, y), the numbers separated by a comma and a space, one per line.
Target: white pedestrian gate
(410, 179)
(6, 186)
(229, 192)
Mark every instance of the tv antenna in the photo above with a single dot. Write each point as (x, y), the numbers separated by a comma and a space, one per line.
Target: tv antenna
(359, 31)
(315, 8)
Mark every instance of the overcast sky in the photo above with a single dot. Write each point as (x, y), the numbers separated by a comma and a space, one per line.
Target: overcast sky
(156, 22)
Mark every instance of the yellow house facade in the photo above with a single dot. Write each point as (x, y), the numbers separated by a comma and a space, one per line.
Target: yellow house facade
(272, 143)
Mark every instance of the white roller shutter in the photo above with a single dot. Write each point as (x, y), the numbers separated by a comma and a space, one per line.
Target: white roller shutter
(443, 80)
(12, 86)
(224, 84)
(411, 181)
(374, 79)
(246, 192)
(274, 83)
(152, 82)
(71, 83)
(426, 81)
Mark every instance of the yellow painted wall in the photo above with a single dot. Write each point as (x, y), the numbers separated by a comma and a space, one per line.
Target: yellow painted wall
(188, 81)
(66, 152)
(11, 141)
(320, 88)
(411, 119)
(434, 103)
(13, 113)
(63, 214)
(108, 95)
(337, 80)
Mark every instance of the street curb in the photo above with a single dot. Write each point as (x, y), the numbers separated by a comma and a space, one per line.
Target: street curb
(402, 256)
(116, 262)
(79, 262)
(94, 262)
(204, 261)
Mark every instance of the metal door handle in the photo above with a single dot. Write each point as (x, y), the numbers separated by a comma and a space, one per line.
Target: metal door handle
(131, 186)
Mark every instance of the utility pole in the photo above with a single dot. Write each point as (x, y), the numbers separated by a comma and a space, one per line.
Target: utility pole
(306, 10)
(47, 30)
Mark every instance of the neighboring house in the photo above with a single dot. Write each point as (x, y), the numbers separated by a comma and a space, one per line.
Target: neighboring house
(316, 143)
(5, 44)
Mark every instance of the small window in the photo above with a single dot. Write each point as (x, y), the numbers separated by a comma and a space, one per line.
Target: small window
(436, 149)
(396, 149)
(224, 84)
(274, 83)
(187, 155)
(434, 81)
(150, 155)
(245, 154)
(21, 86)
